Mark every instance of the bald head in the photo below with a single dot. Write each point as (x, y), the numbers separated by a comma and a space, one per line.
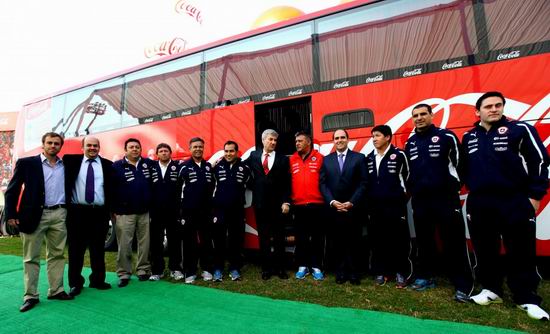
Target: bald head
(90, 147)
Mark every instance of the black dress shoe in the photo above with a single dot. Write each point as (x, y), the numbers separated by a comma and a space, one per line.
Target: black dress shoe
(75, 291)
(100, 286)
(266, 275)
(61, 296)
(144, 277)
(355, 280)
(340, 279)
(28, 304)
(282, 274)
(123, 282)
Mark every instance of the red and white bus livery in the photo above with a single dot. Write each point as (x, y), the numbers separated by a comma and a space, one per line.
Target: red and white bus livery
(353, 66)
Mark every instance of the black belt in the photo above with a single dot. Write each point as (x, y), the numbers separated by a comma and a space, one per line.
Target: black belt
(88, 206)
(55, 207)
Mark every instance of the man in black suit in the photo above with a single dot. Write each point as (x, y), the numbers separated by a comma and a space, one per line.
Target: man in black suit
(270, 198)
(343, 184)
(41, 215)
(88, 182)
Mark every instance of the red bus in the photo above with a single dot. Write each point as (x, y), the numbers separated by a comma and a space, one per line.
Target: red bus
(351, 66)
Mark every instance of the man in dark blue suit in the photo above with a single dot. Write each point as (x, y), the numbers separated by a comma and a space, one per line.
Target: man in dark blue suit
(343, 183)
(40, 215)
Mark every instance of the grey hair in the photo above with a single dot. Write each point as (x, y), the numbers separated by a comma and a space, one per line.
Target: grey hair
(269, 132)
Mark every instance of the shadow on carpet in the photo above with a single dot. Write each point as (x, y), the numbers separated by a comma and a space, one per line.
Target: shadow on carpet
(164, 307)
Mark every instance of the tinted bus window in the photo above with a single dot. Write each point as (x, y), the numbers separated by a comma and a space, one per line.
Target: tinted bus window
(270, 62)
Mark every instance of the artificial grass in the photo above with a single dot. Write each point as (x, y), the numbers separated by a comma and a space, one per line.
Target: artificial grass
(168, 307)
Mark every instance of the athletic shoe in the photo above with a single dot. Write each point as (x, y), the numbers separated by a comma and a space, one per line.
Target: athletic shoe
(462, 297)
(190, 279)
(421, 284)
(218, 277)
(206, 276)
(156, 277)
(301, 273)
(380, 280)
(534, 312)
(177, 275)
(317, 274)
(400, 281)
(235, 275)
(486, 297)
(143, 277)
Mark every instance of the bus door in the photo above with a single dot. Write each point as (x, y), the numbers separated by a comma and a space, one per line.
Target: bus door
(286, 117)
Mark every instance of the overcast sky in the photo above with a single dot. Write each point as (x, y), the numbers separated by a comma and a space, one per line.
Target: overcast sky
(49, 45)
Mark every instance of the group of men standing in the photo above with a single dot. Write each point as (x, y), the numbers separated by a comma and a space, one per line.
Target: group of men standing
(502, 162)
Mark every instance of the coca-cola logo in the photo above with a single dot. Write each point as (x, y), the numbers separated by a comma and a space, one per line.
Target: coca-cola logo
(148, 120)
(268, 97)
(167, 116)
(166, 48)
(244, 101)
(379, 77)
(296, 92)
(513, 54)
(341, 84)
(183, 6)
(454, 64)
(97, 108)
(416, 71)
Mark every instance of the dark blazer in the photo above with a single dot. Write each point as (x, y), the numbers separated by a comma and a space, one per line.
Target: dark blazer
(28, 172)
(347, 186)
(72, 164)
(273, 189)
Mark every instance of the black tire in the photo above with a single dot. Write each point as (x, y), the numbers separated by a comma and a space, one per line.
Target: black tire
(110, 238)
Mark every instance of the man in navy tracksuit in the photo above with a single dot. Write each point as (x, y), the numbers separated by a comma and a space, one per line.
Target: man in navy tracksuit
(133, 180)
(196, 183)
(232, 177)
(164, 215)
(506, 171)
(434, 157)
(387, 170)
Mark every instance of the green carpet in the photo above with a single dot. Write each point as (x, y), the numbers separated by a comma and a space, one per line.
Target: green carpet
(165, 307)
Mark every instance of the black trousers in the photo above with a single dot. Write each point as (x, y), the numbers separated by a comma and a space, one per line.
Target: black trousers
(389, 237)
(197, 240)
(86, 229)
(438, 217)
(228, 236)
(310, 234)
(165, 219)
(346, 234)
(497, 220)
(271, 232)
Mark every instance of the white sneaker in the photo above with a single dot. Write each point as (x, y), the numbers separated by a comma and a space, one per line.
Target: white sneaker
(206, 276)
(156, 277)
(486, 297)
(190, 279)
(177, 275)
(534, 312)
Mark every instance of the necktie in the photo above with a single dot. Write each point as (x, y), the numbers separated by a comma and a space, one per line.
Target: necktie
(341, 161)
(265, 164)
(90, 187)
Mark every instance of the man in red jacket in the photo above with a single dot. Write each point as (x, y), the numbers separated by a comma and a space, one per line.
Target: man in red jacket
(307, 201)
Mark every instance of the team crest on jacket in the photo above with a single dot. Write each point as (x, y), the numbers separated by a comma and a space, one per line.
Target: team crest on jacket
(240, 168)
(144, 165)
(393, 156)
(502, 130)
(207, 168)
(313, 158)
(435, 139)
(173, 168)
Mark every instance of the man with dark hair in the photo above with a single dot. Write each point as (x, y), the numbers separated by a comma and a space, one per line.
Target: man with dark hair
(434, 157)
(271, 198)
(88, 184)
(164, 215)
(387, 170)
(196, 185)
(232, 177)
(40, 216)
(342, 183)
(133, 180)
(506, 171)
(308, 207)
